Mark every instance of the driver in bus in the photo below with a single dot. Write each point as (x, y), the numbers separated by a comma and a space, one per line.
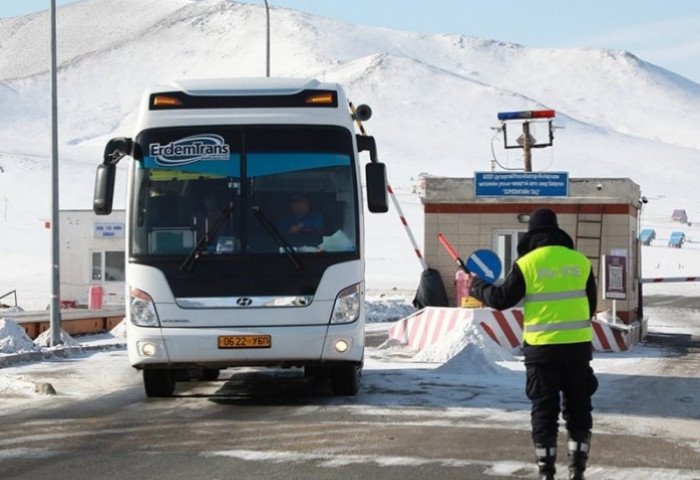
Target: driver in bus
(302, 226)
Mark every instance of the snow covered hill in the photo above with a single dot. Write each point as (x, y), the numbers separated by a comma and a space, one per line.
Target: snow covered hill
(435, 99)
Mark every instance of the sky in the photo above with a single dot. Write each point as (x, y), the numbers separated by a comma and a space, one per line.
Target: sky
(663, 33)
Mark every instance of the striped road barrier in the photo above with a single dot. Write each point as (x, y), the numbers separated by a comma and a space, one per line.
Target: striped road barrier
(429, 325)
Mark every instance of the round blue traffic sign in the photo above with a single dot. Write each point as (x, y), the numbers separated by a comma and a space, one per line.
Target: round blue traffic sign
(485, 264)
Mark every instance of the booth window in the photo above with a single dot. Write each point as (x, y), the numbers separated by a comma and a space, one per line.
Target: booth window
(108, 266)
(505, 244)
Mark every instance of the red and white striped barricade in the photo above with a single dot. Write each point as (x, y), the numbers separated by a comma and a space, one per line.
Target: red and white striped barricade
(670, 279)
(427, 326)
(613, 337)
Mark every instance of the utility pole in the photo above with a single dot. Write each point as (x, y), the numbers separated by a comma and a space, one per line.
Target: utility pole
(55, 314)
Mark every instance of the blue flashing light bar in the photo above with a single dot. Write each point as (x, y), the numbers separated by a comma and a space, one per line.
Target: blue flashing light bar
(526, 115)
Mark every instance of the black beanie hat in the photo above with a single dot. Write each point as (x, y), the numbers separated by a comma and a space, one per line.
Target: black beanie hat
(542, 218)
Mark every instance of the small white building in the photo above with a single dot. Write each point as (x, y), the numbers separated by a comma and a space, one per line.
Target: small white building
(600, 214)
(92, 257)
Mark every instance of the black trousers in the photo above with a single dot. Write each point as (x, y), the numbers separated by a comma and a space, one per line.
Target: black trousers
(560, 386)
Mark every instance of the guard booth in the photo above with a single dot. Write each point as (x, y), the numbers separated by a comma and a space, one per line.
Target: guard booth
(491, 211)
(92, 259)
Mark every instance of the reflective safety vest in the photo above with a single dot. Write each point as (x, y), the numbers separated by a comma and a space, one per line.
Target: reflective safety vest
(556, 308)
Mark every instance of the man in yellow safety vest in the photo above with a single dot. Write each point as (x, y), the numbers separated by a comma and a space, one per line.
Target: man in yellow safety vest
(558, 290)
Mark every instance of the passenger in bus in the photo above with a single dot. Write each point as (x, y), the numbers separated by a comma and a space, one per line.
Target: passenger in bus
(302, 226)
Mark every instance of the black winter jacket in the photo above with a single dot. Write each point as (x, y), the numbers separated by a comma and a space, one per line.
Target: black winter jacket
(512, 291)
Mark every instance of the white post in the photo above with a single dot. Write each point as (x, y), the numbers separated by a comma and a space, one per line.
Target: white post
(267, 11)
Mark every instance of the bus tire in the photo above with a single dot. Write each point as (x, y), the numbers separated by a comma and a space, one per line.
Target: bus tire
(345, 380)
(158, 382)
(209, 374)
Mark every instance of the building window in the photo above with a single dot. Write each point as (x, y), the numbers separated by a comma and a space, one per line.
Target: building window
(108, 266)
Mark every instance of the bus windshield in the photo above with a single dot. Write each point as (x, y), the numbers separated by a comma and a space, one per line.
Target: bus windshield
(229, 191)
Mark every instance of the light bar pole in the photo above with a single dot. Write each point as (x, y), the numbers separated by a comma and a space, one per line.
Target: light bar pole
(527, 150)
(528, 143)
(55, 315)
(267, 12)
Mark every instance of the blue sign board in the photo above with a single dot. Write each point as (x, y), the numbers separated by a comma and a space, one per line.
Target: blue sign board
(485, 264)
(521, 184)
(109, 230)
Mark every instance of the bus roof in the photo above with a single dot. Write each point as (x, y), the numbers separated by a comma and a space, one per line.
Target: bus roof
(244, 86)
(241, 101)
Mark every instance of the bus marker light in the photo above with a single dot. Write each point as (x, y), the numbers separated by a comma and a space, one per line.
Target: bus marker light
(320, 99)
(164, 101)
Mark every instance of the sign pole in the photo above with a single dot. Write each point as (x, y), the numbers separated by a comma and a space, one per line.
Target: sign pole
(55, 314)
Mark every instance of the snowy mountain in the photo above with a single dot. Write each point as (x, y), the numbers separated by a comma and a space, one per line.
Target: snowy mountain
(434, 97)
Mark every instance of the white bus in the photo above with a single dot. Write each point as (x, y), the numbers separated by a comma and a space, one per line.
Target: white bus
(216, 276)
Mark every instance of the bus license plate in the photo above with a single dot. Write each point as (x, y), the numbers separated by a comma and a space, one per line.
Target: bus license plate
(245, 341)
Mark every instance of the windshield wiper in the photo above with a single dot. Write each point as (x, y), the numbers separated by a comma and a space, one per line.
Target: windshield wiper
(274, 233)
(210, 233)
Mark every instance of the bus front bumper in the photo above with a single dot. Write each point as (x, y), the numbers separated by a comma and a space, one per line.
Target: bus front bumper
(228, 347)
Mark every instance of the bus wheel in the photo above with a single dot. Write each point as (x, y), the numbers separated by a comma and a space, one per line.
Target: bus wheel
(209, 374)
(159, 382)
(345, 380)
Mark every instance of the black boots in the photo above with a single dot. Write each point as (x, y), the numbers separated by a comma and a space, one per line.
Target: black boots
(546, 460)
(578, 455)
(579, 445)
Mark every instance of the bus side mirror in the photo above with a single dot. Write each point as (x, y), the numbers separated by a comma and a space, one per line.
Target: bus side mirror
(115, 150)
(104, 189)
(375, 174)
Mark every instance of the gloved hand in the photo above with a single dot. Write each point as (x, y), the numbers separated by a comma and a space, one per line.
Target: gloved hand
(470, 281)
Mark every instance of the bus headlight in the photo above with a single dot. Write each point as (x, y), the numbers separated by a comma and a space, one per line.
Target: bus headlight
(347, 305)
(143, 312)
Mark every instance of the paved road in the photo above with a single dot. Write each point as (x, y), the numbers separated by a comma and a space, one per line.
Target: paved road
(254, 428)
(281, 425)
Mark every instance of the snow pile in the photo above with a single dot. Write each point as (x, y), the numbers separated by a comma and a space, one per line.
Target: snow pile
(14, 309)
(44, 339)
(388, 307)
(466, 351)
(13, 338)
(119, 331)
(13, 386)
